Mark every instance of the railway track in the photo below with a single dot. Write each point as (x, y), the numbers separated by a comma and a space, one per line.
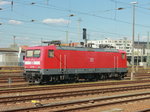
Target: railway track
(145, 110)
(85, 104)
(24, 98)
(54, 87)
(139, 76)
(14, 86)
(6, 77)
(12, 80)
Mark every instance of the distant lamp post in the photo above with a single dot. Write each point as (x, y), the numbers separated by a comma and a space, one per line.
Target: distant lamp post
(33, 3)
(32, 20)
(148, 52)
(71, 15)
(133, 33)
(138, 51)
(120, 8)
(67, 32)
(14, 37)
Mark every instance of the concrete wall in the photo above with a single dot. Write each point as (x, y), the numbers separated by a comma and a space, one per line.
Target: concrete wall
(10, 59)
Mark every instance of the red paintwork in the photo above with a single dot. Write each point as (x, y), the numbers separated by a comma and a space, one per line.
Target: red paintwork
(76, 59)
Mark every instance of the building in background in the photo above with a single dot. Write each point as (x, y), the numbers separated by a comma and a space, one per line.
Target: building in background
(14, 56)
(122, 44)
(140, 48)
(11, 57)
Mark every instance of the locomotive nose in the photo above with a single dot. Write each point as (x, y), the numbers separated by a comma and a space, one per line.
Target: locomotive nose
(32, 64)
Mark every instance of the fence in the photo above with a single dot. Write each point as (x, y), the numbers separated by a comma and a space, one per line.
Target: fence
(11, 64)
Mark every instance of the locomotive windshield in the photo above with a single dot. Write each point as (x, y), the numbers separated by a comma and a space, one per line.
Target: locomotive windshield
(33, 53)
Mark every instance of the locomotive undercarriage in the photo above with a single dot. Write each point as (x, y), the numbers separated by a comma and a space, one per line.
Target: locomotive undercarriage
(37, 77)
(33, 77)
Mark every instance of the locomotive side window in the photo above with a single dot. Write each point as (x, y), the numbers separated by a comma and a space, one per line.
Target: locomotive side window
(29, 53)
(36, 53)
(51, 53)
(123, 56)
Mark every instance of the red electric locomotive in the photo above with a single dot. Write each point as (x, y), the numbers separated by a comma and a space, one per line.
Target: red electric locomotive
(58, 63)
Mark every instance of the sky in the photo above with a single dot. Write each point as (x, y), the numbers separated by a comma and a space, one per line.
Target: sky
(33, 21)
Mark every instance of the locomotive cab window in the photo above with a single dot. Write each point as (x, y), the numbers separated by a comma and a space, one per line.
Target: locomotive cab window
(29, 53)
(51, 53)
(33, 53)
(123, 56)
(36, 53)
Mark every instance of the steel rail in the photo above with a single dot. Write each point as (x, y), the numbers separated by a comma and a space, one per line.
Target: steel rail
(145, 110)
(14, 86)
(23, 98)
(14, 81)
(52, 87)
(93, 102)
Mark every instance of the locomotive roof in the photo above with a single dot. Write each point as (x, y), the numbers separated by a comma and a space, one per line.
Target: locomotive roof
(76, 48)
(87, 49)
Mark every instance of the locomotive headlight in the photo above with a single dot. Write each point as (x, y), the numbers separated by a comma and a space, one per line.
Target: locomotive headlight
(38, 66)
(36, 62)
(27, 62)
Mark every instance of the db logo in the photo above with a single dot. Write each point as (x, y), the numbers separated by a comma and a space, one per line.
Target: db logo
(91, 59)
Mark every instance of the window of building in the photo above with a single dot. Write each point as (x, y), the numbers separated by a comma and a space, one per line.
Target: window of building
(51, 53)
(118, 44)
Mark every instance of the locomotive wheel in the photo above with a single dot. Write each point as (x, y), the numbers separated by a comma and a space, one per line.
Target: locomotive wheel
(103, 77)
(120, 77)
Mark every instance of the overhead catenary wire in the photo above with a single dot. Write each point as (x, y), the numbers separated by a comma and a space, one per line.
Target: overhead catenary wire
(52, 26)
(86, 13)
(50, 6)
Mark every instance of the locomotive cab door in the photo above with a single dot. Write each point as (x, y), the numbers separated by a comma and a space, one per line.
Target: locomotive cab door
(115, 63)
(63, 67)
(63, 64)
